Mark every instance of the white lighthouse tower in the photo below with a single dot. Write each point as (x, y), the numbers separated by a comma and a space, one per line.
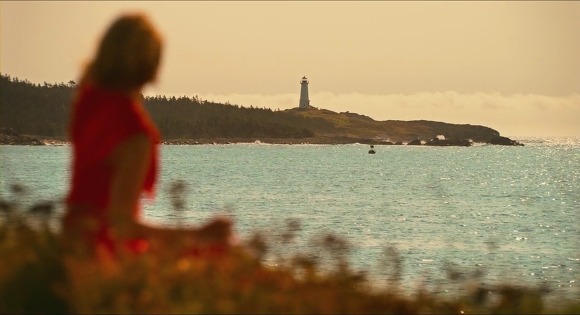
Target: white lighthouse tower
(304, 101)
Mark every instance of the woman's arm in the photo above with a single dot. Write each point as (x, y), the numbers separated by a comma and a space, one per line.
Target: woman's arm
(130, 162)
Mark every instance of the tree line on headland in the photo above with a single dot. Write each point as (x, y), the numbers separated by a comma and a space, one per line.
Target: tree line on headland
(29, 110)
(44, 110)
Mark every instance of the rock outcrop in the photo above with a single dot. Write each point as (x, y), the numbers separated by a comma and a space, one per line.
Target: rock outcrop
(499, 140)
(449, 142)
(9, 136)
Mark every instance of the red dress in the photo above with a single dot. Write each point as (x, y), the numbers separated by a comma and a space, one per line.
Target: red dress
(101, 120)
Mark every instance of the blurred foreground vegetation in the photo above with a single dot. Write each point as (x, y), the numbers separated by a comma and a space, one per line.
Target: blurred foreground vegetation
(38, 276)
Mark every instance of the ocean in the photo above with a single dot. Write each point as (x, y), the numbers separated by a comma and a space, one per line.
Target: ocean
(507, 214)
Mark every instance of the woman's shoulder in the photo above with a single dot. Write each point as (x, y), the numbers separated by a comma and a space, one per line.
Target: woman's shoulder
(109, 103)
(112, 109)
(104, 95)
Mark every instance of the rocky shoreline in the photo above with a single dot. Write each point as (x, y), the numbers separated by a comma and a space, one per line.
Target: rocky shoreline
(341, 140)
(34, 141)
(9, 136)
(499, 140)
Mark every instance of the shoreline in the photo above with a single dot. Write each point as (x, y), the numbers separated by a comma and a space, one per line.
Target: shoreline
(18, 139)
(257, 140)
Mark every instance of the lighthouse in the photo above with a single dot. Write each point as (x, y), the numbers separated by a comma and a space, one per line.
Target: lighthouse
(304, 101)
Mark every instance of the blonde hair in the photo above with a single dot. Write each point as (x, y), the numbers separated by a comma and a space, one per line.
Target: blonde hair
(128, 54)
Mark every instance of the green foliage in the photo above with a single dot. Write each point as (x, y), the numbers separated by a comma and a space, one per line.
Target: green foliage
(44, 110)
(192, 118)
(35, 109)
(38, 276)
(31, 269)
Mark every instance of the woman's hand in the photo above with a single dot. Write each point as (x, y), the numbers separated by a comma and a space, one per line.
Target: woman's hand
(217, 231)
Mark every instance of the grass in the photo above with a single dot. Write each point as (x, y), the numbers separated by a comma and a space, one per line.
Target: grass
(38, 276)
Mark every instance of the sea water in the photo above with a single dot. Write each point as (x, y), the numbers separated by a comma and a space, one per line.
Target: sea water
(511, 213)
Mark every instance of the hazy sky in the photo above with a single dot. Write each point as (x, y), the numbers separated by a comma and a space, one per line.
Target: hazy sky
(512, 66)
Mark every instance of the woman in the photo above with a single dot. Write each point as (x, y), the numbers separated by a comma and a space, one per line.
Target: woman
(115, 147)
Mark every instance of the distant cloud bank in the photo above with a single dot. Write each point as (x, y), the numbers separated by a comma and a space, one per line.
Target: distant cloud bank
(511, 115)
